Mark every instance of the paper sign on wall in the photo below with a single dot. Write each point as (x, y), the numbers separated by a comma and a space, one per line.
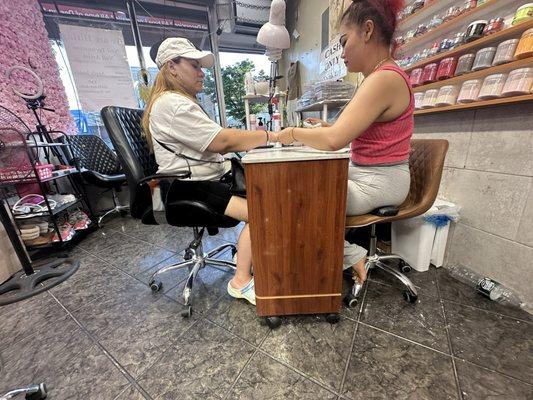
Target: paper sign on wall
(99, 64)
(332, 66)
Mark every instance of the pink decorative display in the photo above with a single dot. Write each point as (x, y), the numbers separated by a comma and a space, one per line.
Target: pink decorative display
(24, 41)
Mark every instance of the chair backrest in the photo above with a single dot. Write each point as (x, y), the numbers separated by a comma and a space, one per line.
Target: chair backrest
(426, 163)
(91, 152)
(124, 128)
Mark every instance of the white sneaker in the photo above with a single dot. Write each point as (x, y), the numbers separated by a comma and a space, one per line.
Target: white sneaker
(247, 292)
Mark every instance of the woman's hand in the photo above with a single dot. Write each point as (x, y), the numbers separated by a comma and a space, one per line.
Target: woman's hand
(286, 136)
(314, 121)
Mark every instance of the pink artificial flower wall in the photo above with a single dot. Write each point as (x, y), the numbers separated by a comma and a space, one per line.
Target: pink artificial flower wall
(24, 41)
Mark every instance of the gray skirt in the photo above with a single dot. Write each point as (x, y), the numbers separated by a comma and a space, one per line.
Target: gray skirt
(377, 186)
(370, 188)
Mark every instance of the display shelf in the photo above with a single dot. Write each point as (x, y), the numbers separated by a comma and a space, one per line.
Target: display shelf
(478, 104)
(74, 239)
(526, 62)
(509, 33)
(436, 32)
(420, 14)
(318, 106)
(33, 179)
(55, 211)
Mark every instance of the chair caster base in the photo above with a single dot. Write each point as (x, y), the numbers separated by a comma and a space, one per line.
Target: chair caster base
(187, 313)
(155, 285)
(409, 297)
(41, 394)
(404, 267)
(350, 300)
(333, 318)
(273, 322)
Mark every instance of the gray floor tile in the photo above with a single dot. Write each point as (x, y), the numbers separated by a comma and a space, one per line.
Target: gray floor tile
(209, 286)
(201, 364)
(102, 239)
(452, 289)
(135, 327)
(422, 321)
(92, 375)
(425, 282)
(240, 317)
(40, 357)
(265, 378)
(134, 256)
(499, 343)
(385, 367)
(313, 346)
(94, 279)
(479, 384)
(25, 317)
(130, 393)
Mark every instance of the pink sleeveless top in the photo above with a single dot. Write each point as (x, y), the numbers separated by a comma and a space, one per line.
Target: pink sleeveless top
(386, 142)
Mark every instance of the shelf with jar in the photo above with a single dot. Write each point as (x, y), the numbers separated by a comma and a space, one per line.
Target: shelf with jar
(514, 32)
(444, 21)
(417, 11)
(478, 33)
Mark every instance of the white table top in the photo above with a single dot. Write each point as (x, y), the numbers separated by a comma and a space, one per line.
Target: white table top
(296, 153)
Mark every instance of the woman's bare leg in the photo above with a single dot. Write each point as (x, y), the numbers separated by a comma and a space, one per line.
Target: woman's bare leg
(238, 208)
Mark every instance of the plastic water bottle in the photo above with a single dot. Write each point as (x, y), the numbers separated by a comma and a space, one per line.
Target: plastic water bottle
(485, 286)
(276, 122)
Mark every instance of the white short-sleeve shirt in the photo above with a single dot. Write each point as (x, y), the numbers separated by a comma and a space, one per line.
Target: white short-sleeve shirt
(180, 124)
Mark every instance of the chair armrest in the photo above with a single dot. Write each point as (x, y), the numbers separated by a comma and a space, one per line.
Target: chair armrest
(165, 176)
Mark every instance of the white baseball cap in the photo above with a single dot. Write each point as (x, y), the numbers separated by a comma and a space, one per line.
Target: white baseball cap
(180, 47)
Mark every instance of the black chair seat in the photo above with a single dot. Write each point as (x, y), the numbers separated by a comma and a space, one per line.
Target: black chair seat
(195, 213)
(387, 211)
(104, 180)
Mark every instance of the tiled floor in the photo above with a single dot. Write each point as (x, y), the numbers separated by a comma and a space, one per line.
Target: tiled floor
(103, 334)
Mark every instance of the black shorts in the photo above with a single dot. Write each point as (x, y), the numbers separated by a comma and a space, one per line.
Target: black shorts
(213, 193)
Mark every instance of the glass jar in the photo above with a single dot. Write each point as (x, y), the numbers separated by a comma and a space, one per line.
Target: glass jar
(429, 74)
(458, 40)
(484, 58)
(464, 64)
(525, 47)
(419, 98)
(469, 91)
(446, 68)
(430, 98)
(523, 13)
(519, 82)
(495, 25)
(469, 5)
(447, 96)
(416, 77)
(434, 49)
(505, 52)
(492, 87)
(475, 30)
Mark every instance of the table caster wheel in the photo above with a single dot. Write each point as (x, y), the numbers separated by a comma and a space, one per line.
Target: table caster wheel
(405, 268)
(351, 301)
(155, 285)
(410, 298)
(187, 313)
(333, 318)
(273, 322)
(39, 395)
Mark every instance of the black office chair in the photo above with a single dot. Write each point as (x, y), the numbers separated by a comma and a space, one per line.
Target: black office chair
(99, 165)
(124, 128)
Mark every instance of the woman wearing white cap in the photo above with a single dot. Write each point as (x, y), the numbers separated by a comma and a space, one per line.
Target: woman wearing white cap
(185, 139)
